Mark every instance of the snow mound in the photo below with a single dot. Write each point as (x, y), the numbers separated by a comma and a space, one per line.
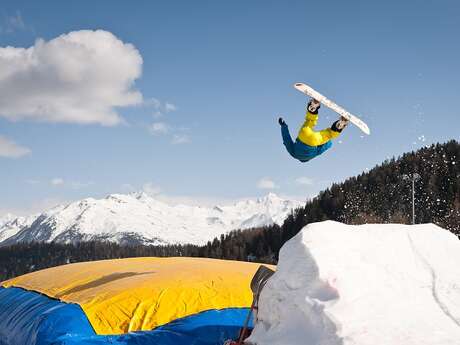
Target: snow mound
(363, 285)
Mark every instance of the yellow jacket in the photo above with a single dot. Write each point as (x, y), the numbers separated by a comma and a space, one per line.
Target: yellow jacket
(312, 138)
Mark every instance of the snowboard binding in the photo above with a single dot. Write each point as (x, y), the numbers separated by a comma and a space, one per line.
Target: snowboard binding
(313, 106)
(339, 125)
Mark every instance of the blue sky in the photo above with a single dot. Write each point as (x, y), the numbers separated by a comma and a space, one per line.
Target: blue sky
(202, 84)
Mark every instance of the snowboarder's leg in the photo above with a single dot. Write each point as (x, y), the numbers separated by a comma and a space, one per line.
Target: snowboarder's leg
(313, 138)
(307, 134)
(321, 148)
(337, 128)
(287, 140)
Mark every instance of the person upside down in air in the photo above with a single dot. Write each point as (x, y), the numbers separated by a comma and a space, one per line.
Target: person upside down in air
(310, 143)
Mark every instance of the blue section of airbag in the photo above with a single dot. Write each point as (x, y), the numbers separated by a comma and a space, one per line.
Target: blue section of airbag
(29, 318)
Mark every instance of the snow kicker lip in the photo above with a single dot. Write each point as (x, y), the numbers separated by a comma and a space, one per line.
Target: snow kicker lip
(363, 284)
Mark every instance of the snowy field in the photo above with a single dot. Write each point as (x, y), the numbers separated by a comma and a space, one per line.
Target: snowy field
(363, 285)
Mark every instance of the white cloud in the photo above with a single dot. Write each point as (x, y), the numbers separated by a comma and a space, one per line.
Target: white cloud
(150, 189)
(80, 185)
(157, 128)
(305, 181)
(152, 102)
(10, 149)
(170, 107)
(162, 127)
(153, 190)
(160, 109)
(80, 77)
(57, 181)
(193, 200)
(266, 183)
(180, 139)
(127, 188)
(35, 207)
(176, 134)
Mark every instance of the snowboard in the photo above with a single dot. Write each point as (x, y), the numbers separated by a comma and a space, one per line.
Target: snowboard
(309, 91)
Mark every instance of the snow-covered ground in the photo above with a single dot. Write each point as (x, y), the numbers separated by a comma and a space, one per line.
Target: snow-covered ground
(363, 285)
(139, 218)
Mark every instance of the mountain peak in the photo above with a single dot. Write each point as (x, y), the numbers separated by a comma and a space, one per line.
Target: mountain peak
(140, 195)
(8, 217)
(272, 196)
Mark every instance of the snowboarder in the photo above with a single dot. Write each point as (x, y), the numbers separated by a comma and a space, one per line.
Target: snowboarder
(310, 143)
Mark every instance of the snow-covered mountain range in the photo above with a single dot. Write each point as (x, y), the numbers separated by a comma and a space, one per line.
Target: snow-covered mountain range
(138, 218)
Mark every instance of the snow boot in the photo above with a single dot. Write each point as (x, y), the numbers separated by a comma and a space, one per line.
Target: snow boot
(339, 125)
(313, 106)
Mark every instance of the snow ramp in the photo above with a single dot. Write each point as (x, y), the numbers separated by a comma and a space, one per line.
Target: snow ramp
(363, 285)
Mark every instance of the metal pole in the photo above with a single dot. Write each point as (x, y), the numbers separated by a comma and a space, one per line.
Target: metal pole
(413, 199)
(412, 177)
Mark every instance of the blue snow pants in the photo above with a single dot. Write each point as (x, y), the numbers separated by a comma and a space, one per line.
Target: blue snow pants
(299, 150)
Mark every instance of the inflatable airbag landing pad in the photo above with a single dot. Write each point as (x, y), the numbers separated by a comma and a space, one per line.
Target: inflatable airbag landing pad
(128, 301)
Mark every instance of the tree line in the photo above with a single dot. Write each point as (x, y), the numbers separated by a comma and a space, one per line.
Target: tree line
(381, 195)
